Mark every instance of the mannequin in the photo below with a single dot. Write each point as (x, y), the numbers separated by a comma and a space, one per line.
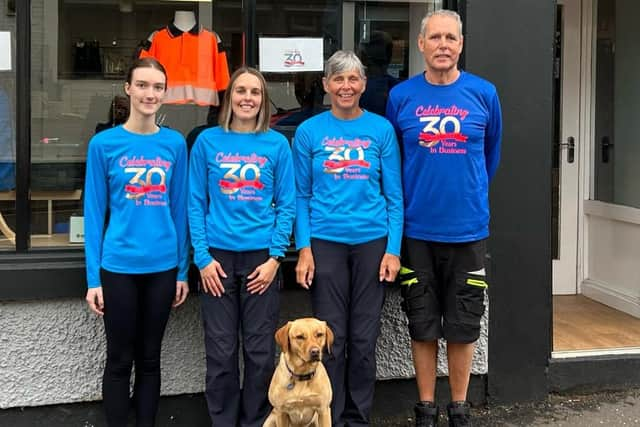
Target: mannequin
(184, 20)
(192, 78)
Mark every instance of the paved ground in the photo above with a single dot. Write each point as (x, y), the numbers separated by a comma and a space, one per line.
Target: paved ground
(584, 410)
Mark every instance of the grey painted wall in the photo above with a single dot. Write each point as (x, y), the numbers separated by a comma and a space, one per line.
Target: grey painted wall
(510, 42)
(53, 352)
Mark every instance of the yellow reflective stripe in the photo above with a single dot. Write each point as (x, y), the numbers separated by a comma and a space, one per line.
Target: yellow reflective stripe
(405, 270)
(409, 282)
(407, 276)
(478, 283)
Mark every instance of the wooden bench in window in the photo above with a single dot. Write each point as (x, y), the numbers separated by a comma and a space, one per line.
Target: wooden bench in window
(49, 196)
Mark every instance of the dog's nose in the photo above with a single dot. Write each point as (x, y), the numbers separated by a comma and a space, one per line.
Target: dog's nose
(315, 353)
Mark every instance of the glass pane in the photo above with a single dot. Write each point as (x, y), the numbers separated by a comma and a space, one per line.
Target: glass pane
(385, 37)
(81, 50)
(298, 94)
(617, 129)
(227, 23)
(383, 33)
(7, 124)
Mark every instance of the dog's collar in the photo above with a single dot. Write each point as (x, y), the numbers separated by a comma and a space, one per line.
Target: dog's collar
(300, 377)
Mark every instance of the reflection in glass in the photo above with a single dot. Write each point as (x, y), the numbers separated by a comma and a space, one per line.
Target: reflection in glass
(376, 54)
(7, 128)
(297, 96)
(617, 145)
(385, 37)
(80, 52)
(382, 33)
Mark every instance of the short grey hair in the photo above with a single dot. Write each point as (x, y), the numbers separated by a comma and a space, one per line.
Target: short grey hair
(440, 12)
(341, 61)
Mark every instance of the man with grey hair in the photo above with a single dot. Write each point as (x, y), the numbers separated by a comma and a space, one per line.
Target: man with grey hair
(449, 125)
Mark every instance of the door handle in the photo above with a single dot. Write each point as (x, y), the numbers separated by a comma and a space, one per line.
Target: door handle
(571, 148)
(606, 145)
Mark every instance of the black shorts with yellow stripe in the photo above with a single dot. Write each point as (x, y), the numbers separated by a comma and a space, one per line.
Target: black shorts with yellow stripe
(443, 288)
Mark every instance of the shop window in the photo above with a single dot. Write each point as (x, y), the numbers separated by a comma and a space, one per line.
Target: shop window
(80, 52)
(382, 33)
(304, 36)
(7, 125)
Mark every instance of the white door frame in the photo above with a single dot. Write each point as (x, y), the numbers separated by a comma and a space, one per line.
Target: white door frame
(587, 132)
(577, 111)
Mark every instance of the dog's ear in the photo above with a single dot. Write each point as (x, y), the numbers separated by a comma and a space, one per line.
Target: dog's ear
(329, 334)
(282, 337)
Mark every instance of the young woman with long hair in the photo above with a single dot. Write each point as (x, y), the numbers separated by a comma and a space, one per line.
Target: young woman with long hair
(136, 242)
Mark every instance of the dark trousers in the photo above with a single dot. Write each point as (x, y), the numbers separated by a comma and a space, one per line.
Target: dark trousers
(136, 310)
(347, 294)
(257, 317)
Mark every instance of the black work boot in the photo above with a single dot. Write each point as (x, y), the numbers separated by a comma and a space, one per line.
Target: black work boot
(459, 414)
(426, 414)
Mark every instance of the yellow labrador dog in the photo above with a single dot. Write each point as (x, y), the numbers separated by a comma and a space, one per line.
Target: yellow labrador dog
(300, 391)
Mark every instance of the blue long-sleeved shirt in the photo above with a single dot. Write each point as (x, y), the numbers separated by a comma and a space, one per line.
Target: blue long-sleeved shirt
(348, 181)
(141, 181)
(450, 137)
(241, 193)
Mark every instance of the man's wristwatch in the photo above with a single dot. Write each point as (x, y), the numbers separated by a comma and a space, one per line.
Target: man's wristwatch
(278, 258)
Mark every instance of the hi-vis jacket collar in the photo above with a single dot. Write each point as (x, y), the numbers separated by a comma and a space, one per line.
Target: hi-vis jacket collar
(177, 32)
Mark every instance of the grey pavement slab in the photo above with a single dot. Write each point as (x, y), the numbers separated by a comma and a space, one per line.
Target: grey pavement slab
(619, 408)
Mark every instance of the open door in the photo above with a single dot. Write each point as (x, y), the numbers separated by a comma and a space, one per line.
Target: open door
(596, 310)
(567, 146)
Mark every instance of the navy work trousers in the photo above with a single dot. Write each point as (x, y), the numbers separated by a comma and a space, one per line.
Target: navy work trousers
(257, 317)
(347, 294)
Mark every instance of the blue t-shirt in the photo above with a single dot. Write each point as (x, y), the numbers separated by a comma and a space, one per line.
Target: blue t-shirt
(241, 193)
(348, 181)
(141, 180)
(450, 139)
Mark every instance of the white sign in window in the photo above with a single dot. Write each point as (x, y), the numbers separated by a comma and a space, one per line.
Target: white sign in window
(291, 54)
(5, 50)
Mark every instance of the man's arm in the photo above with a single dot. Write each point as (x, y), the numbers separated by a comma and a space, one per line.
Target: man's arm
(493, 137)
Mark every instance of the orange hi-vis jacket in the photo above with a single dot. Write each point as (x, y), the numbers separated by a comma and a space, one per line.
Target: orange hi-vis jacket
(196, 65)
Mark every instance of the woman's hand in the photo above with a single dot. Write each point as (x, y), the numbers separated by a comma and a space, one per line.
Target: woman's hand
(305, 268)
(95, 300)
(389, 267)
(182, 290)
(211, 281)
(262, 277)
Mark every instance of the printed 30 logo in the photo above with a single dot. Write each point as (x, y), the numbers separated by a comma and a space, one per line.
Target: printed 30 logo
(138, 187)
(293, 58)
(341, 157)
(240, 176)
(440, 129)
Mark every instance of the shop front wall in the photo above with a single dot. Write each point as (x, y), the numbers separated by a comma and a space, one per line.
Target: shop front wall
(52, 350)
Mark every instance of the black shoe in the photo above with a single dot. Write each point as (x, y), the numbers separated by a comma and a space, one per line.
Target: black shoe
(426, 414)
(459, 414)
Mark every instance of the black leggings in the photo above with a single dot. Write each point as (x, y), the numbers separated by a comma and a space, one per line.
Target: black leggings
(136, 310)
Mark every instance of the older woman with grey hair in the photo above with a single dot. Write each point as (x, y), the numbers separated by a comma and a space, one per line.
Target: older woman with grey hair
(348, 229)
